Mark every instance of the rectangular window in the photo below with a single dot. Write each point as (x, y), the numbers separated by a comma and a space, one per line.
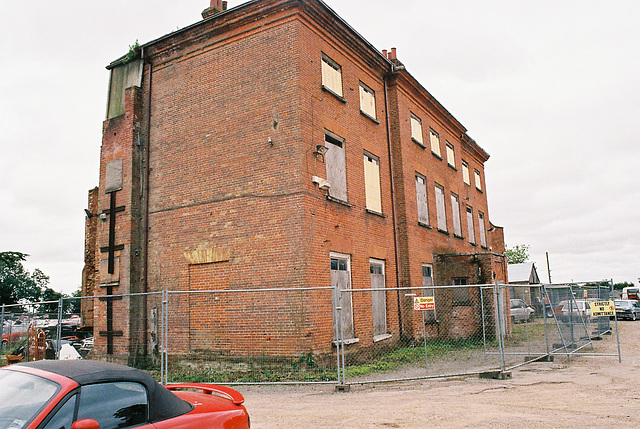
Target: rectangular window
(331, 75)
(455, 210)
(476, 174)
(483, 234)
(372, 183)
(416, 129)
(440, 208)
(367, 101)
(335, 161)
(378, 299)
(451, 158)
(421, 199)
(113, 404)
(341, 280)
(472, 233)
(465, 172)
(435, 142)
(461, 294)
(427, 282)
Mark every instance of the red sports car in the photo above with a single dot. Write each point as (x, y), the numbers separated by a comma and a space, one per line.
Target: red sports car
(88, 394)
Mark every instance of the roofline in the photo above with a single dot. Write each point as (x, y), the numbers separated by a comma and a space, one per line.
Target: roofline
(464, 137)
(244, 5)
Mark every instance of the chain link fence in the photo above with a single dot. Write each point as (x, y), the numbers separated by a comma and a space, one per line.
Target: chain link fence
(551, 320)
(446, 331)
(321, 335)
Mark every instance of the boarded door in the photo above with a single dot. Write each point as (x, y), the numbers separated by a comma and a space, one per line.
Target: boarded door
(341, 280)
(378, 298)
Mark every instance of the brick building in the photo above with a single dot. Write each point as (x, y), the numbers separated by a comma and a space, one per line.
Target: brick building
(271, 146)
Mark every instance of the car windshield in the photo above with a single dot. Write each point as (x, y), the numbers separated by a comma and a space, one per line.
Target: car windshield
(623, 304)
(22, 396)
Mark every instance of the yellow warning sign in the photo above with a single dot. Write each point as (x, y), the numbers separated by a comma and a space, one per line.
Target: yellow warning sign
(602, 308)
(424, 303)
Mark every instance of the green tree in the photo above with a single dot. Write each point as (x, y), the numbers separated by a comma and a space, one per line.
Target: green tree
(518, 254)
(620, 286)
(16, 283)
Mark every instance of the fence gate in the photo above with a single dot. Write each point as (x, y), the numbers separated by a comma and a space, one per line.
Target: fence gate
(550, 320)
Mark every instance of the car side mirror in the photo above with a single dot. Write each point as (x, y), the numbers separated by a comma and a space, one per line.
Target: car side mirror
(86, 424)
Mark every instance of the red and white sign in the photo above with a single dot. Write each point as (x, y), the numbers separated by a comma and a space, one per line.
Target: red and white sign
(424, 303)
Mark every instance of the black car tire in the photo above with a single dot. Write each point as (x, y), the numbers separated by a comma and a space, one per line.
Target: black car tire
(633, 316)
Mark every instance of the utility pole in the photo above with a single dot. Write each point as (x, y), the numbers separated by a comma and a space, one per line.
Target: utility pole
(549, 269)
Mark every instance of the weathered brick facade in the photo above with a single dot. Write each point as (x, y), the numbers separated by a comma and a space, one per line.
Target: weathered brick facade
(218, 131)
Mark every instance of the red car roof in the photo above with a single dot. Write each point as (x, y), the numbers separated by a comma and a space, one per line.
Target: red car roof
(162, 403)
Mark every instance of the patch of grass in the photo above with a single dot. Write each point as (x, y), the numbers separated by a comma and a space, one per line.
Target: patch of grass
(525, 332)
(395, 358)
(271, 375)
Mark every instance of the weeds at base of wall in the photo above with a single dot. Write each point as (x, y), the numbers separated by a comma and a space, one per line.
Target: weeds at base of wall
(200, 367)
(395, 358)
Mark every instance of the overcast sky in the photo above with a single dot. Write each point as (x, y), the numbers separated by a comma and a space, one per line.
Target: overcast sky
(550, 89)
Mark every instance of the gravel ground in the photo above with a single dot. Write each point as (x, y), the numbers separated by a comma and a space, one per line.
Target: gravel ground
(593, 392)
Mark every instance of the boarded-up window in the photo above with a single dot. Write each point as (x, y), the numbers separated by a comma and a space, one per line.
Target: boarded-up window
(435, 142)
(451, 157)
(113, 177)
(372, 183)
(378, 298)
(367, 101)
(122, 77)
(421, 199)
(416, 129)
(341, 280)
(427, 282)
(440, 208)
(336, 166)
(478, 181)
(455, 212)
(472, 233)
(465, 172)
(483, 234)
(331, 75)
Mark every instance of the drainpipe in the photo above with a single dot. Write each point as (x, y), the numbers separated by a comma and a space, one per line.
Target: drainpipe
(393, 200)
(145, 193)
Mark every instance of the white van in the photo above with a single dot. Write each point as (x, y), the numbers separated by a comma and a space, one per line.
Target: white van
(576, 310)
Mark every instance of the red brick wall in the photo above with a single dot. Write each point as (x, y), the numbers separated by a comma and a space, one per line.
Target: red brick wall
(90, 268)
(237, 110)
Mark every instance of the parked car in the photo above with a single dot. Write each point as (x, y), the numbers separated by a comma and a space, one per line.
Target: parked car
(627, 309)
(576, 310)
(13, 330)
(83, 394)
(520, 311)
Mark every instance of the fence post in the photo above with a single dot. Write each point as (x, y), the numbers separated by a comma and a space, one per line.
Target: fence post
(336, 323)
(59, 327)
(424, 341)
(545, 300)
(484, 322)
(500, 322)
(2, 326)
(164, 338)
(615, 318)
(341, 338)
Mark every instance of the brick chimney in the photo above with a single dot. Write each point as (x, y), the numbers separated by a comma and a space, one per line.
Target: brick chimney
(215, 8)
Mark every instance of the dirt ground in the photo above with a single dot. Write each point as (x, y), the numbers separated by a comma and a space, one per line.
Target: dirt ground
(588, 392)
